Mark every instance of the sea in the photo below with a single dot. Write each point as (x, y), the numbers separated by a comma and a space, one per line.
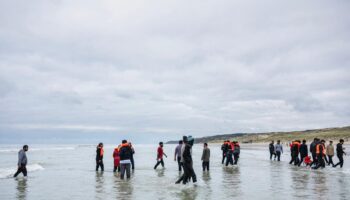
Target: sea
(68, 172)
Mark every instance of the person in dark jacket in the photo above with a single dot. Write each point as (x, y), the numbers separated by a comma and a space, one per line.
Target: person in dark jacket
(224, 149)
(340, 153)
(22, 162)
(272, 150)
(125, 153)
(205, 157)
(295, 152)
(303, 152)
(99, 157)
(229, 154)
(313, 151)
(236, 152)
(132, 156)
(187, 162)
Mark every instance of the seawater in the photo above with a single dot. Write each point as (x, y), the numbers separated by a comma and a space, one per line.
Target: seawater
(67, 172)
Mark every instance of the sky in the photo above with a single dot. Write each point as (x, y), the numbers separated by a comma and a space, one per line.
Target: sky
(157, 70)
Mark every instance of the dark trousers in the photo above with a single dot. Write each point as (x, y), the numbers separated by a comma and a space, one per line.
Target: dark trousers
(124, 168)
(159, 162)
(179, 163)
(320, 162)
(341, 161)
(278, 154)
(188, 173)
(229, 159)
(205, 165)
(99, 163)
(301, 159)
(272, 154)
(223, 157)
(116, 168)
(132, 162)
(294, 159)
(21, 169)
(236, 156)
(330, 160)
(314, 159)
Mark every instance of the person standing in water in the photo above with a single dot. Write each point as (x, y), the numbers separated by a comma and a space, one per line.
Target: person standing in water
(236, 152)
(229, 154)
(303, 152)
(272, 150)
(125, 153)
(22, 162)
(116, 158)
(279, 150)
(187, 162)
(160, 154)
(295, 152)
(330, 153)
(205, 157)
(132, 156)
(340, 153)
(224, 149)
(99, 157)
(177, 156)
(321, 153)
(313, 151)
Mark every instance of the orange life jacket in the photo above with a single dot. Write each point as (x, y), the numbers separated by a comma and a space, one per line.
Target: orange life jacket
(318, 149)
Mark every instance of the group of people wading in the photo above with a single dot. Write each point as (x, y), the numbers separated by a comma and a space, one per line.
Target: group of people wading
(230, 152)
(320, 153)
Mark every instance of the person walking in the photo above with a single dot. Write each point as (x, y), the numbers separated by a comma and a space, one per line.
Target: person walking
(321, 153)
(224, 149)
(125, 153)
(22, 162)
(229, 154)
(99, 157)
(313, 151)
(303, 152)
(205, 157)
(160, 154)
(187, 162)
(340, 153)
(279, 150)
(116, 159)
(132, 156)
(272, 150)
(236, 152)
(178, 155)
(330, 153)
(295, 152)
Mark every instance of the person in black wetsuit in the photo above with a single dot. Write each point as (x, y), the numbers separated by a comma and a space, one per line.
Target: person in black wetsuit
(187, 162)
(303, 152)
(272, 150)
(340, 153)
(22, 162)
(99, 157)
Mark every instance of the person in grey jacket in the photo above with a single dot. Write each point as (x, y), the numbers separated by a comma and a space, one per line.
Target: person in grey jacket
(278, 150)
(205, 157)
(22, 162)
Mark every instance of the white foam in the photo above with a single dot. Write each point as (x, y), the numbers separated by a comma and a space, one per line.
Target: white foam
(37, 149)
(8, 172)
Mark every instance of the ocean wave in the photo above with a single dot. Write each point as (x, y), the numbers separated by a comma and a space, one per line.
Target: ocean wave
(8, 172)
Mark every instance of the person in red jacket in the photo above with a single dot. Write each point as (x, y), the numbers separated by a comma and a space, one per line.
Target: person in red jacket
(160, 154)
(116, 159)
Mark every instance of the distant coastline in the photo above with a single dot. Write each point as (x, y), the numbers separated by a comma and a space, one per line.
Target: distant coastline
(327, 133)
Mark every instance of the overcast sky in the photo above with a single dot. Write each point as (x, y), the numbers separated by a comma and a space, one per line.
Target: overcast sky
(168, 68)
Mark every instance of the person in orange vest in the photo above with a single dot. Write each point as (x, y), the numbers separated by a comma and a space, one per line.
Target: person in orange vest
(116, 159)
(99, 156)
(321, 153)
(295, 152)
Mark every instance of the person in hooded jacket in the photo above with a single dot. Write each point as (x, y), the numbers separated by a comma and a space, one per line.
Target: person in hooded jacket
(22, 162)
(187, 162)
(272, 150)
(99, 156)
(125, 153)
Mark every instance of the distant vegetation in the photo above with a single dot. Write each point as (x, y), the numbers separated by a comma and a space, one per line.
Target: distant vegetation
(328, 134)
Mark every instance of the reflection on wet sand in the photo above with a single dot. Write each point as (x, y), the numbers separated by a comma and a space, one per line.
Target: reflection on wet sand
(21, 189)
(160, 172)
(123, 188)
(99, 186)
(232, 180)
